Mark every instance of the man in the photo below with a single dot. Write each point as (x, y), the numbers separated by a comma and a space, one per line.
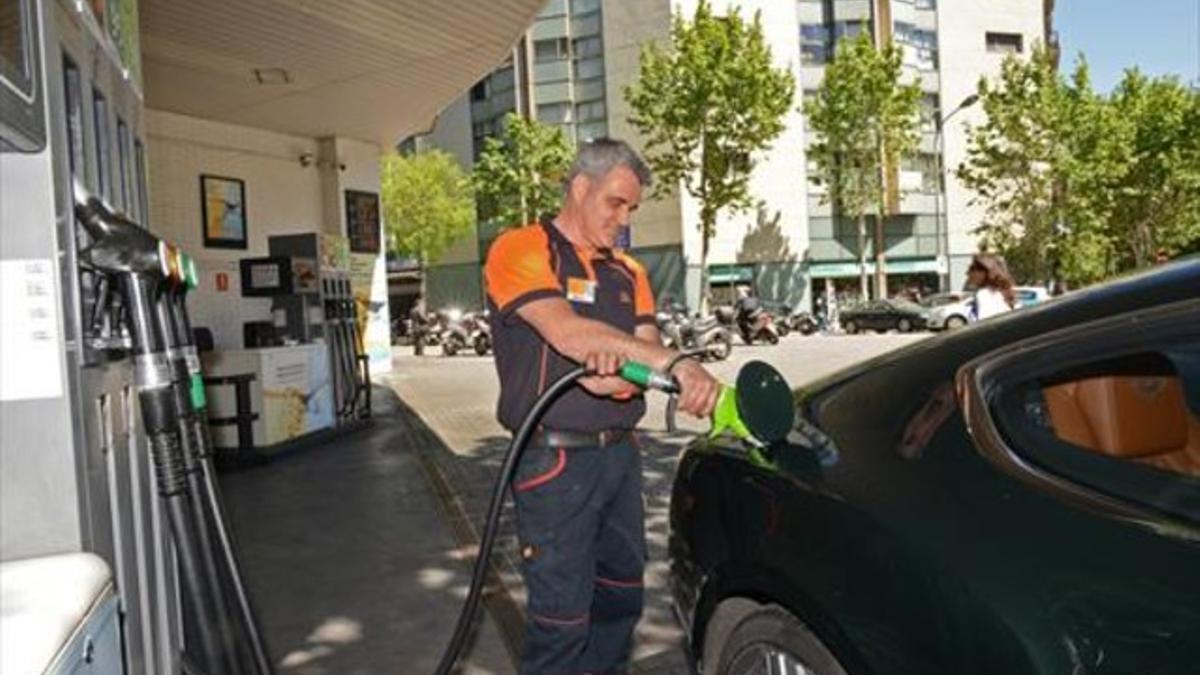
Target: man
(419, 324)
(560, 296)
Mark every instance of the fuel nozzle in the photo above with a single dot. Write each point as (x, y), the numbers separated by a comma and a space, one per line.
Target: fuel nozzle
(647, 378)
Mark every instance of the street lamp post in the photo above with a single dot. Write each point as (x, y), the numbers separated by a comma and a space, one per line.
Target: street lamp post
(942, 231)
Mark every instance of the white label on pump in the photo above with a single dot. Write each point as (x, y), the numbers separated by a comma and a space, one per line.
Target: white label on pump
(29, 341)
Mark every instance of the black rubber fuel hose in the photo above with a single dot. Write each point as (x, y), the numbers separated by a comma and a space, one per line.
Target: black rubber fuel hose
(488, 540)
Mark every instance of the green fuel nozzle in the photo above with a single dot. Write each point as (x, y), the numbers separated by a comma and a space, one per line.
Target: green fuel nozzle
(647, 378)
(725, 416)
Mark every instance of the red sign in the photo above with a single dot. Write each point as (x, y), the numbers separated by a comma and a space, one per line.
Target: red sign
(222, 281)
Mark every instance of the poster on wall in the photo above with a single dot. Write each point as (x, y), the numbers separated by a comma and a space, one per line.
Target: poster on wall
(362, 221)
(368, 280)
(223, 211)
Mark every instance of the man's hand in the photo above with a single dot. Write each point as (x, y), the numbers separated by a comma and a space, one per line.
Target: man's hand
(605, 381)
(698, 389)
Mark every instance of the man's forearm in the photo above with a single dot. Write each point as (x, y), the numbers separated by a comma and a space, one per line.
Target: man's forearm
(575, 337)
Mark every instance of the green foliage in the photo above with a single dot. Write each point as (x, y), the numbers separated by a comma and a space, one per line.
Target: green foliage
(427, 203)
(1078, 186)
(519, 176)
(865, 120)
(704, 105)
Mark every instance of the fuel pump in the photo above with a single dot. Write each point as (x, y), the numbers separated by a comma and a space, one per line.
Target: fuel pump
(145, 271)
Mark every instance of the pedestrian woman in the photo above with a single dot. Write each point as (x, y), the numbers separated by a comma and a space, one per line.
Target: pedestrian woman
(993, 285)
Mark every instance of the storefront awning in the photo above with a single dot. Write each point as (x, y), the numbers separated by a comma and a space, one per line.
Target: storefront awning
(374, 70)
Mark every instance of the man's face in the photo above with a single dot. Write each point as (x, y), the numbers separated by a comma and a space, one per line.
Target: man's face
(606, 204)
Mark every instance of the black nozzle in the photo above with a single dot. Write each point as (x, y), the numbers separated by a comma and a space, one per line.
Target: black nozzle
(119, 244)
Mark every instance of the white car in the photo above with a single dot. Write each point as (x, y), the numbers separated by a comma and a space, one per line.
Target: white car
(948, 310)
(1030, 295)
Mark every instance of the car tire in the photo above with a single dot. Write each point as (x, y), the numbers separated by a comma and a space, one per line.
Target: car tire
(772, 633)
(904, 326)
(955, 321)
(851, 327)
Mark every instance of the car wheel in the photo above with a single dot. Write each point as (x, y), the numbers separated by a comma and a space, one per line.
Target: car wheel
(904, 325)
(851, 327)
(770, 640)
(720, 346)
(955, 321)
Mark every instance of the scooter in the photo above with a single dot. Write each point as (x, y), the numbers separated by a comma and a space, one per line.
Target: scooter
(757, 324)
(453, 335)
(758, 410)
(481, 333)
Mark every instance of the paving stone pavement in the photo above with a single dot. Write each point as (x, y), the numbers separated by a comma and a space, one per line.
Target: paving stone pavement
(462, 446)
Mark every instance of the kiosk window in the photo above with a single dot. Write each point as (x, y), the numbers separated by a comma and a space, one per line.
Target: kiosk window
(103, 148)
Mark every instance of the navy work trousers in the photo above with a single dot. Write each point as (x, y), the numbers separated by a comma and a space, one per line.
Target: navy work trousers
(583, 550)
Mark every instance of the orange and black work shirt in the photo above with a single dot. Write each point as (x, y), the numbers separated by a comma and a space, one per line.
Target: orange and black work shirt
(537, 261)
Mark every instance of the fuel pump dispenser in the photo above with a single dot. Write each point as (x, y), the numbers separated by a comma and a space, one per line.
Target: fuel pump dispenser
(148, 275)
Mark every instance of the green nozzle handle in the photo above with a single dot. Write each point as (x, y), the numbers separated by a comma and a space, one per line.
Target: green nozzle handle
(647, 378)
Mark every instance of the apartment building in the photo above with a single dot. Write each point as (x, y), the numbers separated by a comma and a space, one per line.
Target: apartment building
(571, 66)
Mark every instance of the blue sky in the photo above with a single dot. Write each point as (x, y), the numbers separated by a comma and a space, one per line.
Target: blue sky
(1158, 36)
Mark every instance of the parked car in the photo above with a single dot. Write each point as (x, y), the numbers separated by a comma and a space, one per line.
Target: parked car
(1023, 497)
(948, 311)
(1031, 295)
(884, 315)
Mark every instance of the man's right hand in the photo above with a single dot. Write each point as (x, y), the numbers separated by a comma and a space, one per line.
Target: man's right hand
(698, 389)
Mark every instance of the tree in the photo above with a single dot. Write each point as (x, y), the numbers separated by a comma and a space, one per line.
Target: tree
(1157, 196)
(864, 120)
(427, 203)
(1078, 186)
(704, 104)
(519, 176)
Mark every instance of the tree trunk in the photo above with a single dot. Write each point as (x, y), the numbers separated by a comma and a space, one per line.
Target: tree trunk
(881, 289)
(864, 285)
(705, 228)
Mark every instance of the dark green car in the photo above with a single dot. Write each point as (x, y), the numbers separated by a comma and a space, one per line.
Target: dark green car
(1022, 496)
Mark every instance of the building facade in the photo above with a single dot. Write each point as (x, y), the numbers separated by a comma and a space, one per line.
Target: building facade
(570, 69)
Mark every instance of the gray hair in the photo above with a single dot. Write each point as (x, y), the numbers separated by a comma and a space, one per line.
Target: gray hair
(599, 156)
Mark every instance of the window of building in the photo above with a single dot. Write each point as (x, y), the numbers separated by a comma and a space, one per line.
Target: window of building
(588, 68)
(555, 49)
(584, 6)
(591, 131)
(590, 111)
(1004, 43)
(588, 47)
(930, 110)
(480, 91)
(103, 147)
(554, 113)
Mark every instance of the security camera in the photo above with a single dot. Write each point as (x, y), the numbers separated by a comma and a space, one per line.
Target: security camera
(306, 159)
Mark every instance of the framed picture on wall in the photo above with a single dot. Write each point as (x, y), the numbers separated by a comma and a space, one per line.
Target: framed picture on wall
(223, 210)
(362, 221)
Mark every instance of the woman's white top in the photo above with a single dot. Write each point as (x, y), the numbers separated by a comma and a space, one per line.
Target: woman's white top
(989, 302)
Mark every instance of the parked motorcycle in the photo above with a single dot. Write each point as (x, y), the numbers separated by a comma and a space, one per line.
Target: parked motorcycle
(481, 332)
(755, 323)
(454, 334)
(803, 322)
(707, 335)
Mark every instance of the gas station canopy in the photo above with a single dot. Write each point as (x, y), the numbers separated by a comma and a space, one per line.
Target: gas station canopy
(375, 70)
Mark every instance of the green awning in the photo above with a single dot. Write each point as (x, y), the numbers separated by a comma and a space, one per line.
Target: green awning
(730, 274)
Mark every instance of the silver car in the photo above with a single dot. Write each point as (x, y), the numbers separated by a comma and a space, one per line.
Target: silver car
(948, 310)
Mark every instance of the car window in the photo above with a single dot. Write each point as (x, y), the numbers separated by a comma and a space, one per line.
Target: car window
(1125, 424)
